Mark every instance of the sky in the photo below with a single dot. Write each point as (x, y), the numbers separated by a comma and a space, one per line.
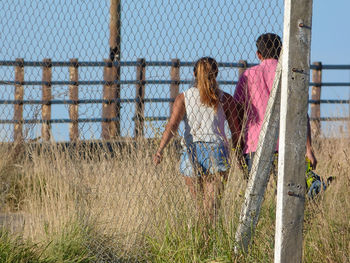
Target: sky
(330, 45)
(330, 24)
(155, 30)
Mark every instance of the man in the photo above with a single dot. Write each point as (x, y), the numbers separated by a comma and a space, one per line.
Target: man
(253, 91)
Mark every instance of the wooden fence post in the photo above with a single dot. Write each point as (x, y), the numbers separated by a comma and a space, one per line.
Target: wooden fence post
(74, 96)
(291, 186)
(241, 69)
(111, 108)
(19, 93)
(114, 30)
(242, 115)
(114, 56)
(46, 97)
(260, 172)
(175, 78)
(116, 93)
(140, 96)
(316, 95)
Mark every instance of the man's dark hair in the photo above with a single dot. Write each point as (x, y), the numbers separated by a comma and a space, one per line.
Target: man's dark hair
(269, 45)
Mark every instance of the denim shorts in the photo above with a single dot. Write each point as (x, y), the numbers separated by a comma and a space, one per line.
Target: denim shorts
(204, 158)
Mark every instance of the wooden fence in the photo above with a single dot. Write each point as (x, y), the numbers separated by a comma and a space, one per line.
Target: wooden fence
(111, 102)
(316, 101)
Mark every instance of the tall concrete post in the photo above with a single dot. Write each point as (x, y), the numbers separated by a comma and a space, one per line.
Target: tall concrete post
(293, 130)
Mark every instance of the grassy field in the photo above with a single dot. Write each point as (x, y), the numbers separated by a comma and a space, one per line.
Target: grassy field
(65, 205)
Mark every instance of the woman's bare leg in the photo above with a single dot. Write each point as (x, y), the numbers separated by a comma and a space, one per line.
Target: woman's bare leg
(195, 186)
(213, 187)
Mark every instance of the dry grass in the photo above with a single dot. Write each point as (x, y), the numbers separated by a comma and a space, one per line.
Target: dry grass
(129, 210)
(327, 230)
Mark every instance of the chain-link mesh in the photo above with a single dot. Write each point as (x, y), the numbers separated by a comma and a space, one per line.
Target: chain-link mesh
(64, 30)
(66, 76)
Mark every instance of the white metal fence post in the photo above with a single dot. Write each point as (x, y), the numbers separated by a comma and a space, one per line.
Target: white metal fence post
(293, 128)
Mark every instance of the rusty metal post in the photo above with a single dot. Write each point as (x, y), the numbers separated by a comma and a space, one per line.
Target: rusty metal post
(46, 97)
(74, 96)
(19, 93)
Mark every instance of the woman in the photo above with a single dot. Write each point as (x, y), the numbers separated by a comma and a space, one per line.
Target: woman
(205, 159)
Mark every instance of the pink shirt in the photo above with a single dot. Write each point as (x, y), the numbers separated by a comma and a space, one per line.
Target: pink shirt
(253, 91)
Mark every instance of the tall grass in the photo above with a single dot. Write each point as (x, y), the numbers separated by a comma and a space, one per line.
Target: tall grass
(327, 235)
(86, 205)
(14, 249)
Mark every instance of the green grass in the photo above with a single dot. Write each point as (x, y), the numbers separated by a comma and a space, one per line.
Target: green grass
(65, 247)
(13, 249)
(69, 245)
(200, 243)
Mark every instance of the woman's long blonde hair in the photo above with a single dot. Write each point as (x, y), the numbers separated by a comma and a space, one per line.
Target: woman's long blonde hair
(206, 71)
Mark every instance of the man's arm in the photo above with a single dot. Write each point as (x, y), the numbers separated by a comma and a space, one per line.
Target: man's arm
(231, 109)
(241, 98)
(309, 150)
(232, 112)
(240, 94)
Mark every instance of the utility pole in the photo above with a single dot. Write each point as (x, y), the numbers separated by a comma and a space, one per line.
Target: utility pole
(291, 186)
(114, 29)
(114, 71)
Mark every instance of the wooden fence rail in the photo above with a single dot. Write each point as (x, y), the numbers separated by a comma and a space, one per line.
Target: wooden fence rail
(111, 102)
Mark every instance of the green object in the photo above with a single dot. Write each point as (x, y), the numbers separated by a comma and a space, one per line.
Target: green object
(313, 181)
(310, 176)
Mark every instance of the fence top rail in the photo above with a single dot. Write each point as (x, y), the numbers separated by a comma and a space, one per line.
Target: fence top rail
(335, 66)
(129, 100)
(76, 63)
(145, 82)
(146, 118)
(103, 82)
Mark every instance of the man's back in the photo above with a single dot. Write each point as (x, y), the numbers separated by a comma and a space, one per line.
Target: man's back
(252, 92)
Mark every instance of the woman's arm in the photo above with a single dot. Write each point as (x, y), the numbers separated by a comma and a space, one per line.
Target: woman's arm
(177, 115)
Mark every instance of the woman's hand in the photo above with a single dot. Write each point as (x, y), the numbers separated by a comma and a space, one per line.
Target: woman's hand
(157, 158)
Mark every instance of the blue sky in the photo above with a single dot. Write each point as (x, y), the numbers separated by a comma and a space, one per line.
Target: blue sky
(330, 37)
(330, 45)
(155, 30)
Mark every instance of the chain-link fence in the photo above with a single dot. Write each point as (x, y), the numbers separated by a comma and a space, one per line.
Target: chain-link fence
(89, 32)
(92, 70)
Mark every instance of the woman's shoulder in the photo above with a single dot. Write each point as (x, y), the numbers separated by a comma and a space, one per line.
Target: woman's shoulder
(190, 91)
